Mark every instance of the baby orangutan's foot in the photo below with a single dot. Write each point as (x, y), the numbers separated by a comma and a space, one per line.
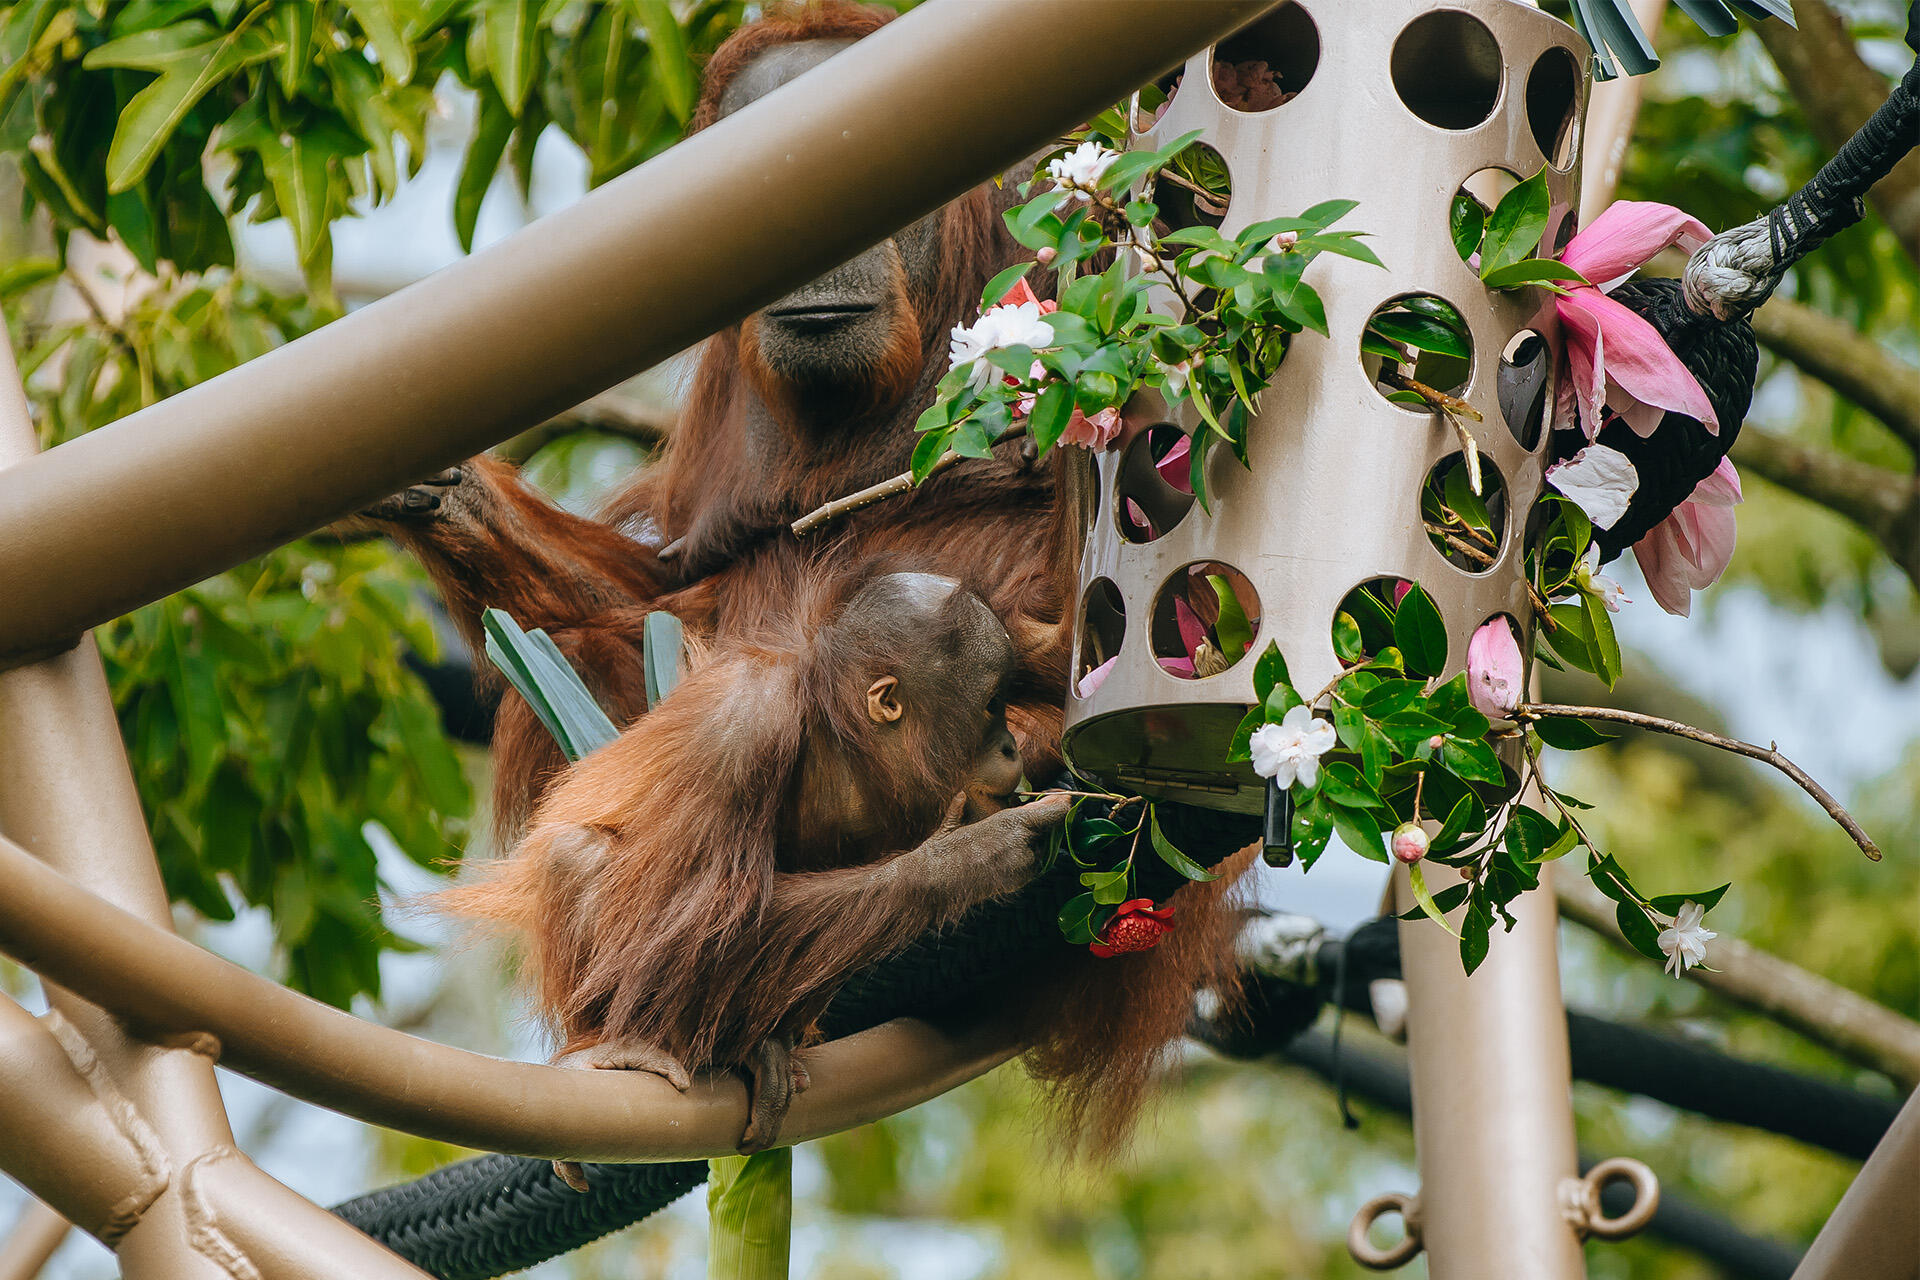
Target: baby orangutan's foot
(774, 1077)
(618, 1055)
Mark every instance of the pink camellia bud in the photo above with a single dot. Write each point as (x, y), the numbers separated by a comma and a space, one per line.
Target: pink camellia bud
(1494, 668)
(1409, 842)
(1437, 741)
(1045, 255)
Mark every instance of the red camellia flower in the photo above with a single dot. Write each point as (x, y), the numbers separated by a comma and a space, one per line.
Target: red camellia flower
(1137, 925)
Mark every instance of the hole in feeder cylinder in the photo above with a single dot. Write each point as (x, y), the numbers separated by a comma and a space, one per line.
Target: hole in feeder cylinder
(1467, 528)
(1521, 386)
(1196, 189)
(1363, 625)
(1473, 203)
(1446, 68)
(1154, 491)
(1204, 620)
(1267, 63)
(1103, 629)
(1553, 97)
(1416, 347)
(1154, 99)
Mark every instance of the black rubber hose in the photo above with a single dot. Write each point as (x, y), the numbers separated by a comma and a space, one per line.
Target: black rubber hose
(494, 1214)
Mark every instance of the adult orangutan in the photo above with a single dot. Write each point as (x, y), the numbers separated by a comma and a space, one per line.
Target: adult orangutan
(806, 400)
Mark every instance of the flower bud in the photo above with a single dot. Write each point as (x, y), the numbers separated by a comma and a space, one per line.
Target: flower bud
(1409, 842)
(1437, 741)
(1284, 242)
(1045, 255)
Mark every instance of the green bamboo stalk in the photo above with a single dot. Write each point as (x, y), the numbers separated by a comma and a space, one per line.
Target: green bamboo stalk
(750, 1216)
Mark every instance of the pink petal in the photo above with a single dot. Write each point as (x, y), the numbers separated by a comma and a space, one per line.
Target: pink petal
(1635, 356)
(1690, 549)
(1174, 467)
(1721, 489)
(1021, 292)
(1193, 632)
(1627, 234)
(1400, 588)
(1586, 379)
(1177, 666)
(1093, 679)
(1137, 514)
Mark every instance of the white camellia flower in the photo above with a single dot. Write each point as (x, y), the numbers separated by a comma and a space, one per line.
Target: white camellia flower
(1290, 751)
(1601, 482)
(1612, 594)
(1081, 168)
(1685, 942)
(1013, 325)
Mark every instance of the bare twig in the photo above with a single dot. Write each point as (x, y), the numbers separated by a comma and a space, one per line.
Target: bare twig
(1841, 1019)
(1768, 754)
(827, 513)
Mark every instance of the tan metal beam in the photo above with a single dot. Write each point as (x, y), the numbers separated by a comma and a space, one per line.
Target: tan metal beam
(32, 1240)
(908, 118)
(167, 987)
(1874, 1234)
(66, 787)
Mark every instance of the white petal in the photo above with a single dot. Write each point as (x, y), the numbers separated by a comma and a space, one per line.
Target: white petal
(1308, 768)
(1601, 482)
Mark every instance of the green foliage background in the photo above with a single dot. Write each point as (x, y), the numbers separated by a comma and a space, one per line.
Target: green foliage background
(271, 715)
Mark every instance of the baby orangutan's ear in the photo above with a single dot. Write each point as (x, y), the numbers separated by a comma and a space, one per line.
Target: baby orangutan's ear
(883, 700)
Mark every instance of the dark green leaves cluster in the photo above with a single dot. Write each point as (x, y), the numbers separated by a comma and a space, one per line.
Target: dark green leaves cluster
(306, 107)
(1413, 748)
(1240, 301)
(270, 713)
(1097, 828)
(1507, 237)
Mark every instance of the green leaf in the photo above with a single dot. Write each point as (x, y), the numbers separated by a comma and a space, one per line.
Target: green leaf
(1076, 919)
(1171, 856)
(1569, 734)
(997, 287)
(1517, 224)
(513, 58)
(1270, 670)
(671, 63)
(1474, 761)
(1358, 831)
(1476, 927)
(1417, 880)
(1232, 629)
(1422, 333)
(1237, 750)
(381, 25)
(294, 22)
(1639, 930)
(22, 274)
(1346, 638)
(1391, 696)
(1467, 221)
(663, 645)
(1420, 634)
(1444, 901)
(1109, 888)
(149, 119)
(932, 447)
(1051, 413)
(489, 143)
(553, 689)
(1670, 903)
(1530, 271)
(1605, 648)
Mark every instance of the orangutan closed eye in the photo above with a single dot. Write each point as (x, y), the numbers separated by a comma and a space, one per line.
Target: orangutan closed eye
(691, 894)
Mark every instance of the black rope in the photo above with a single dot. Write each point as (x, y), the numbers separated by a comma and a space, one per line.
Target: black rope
(1836, 197)
(494, 1214)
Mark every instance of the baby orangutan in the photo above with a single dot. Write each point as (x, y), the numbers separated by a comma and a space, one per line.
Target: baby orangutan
(806, 802)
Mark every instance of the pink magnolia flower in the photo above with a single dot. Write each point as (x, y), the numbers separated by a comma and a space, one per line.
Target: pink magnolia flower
(1495, 672)
(1615, 359)
(1689, 550)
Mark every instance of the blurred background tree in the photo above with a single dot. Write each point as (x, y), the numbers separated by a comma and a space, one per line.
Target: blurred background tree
(201, 180)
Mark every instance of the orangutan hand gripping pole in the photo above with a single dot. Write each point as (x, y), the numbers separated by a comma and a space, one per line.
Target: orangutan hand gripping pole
(692, 894)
